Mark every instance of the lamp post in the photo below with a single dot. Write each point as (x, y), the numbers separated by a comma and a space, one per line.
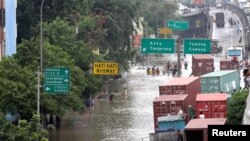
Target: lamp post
(40, 70)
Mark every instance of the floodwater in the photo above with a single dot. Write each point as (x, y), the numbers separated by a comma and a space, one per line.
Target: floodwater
(128, 118)
(125, 118)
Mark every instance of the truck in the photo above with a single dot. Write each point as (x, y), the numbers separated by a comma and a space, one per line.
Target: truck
(220, 21)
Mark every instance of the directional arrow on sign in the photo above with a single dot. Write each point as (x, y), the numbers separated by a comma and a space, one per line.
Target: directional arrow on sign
(47, 88)
(66, 71)
(66, 80)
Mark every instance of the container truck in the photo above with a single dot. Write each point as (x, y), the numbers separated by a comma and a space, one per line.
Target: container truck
(220, 21)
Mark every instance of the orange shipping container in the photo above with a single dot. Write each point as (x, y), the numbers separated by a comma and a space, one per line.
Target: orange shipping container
(182, 85)
(168, 104)
(198, 2)
(212, 105)
(202, 64)
(227, 64)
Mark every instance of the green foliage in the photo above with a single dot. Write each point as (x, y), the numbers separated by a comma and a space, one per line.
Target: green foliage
(17, 88)
(28, 13)
(156, 13)
(101, 24)
(23, 132)
(118, 26)
(236, 107)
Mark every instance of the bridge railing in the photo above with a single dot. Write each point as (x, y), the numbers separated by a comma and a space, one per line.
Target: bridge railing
(245, 24)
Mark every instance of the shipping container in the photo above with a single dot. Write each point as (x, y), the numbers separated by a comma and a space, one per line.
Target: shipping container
(197, 129)
(202, 64)
(168, 105)
(212, 105)
(199, 2)
(227, 64)
(171, 122)
(226, 81)
(182, 85)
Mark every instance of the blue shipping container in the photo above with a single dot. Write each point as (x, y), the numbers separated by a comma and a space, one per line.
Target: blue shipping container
(171, 122)
(225, 81)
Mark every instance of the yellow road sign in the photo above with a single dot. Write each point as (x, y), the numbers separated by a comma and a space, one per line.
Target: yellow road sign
(165, 31)
(105, 68)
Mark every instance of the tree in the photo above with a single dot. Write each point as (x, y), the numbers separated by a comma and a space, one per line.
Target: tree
(157, 12)
(236, 104)
(118, 26)
(102, 25)
(28, 13)
(18, 80)
(23, 132)
(17, 88)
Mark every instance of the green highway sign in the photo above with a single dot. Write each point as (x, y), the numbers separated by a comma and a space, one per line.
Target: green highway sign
(56, 88)
(178, 25)
(56, 71)
(197, 46)
(57, 80)
(152, 45)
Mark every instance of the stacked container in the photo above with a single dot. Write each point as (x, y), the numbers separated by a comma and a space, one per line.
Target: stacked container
(212, 105)
(168, 105)
(226, 81)
(182, 85)
(202, 64)
(227, 64)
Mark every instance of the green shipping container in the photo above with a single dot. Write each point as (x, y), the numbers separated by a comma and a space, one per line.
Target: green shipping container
(220, 81)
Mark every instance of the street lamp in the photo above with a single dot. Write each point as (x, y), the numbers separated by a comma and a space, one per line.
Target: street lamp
(40, 70)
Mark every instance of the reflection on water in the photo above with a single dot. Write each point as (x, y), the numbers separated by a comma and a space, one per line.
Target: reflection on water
(123, 119)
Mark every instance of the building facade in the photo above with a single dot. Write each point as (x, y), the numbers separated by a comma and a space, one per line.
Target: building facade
(8, 27)
(2, 29)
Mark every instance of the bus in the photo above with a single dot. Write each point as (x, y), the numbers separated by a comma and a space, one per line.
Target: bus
(235, 51)
(219, 17)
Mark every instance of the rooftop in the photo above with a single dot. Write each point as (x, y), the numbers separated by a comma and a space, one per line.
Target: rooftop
(180, 81)
(202, 56)
(178, 97)
(211, 97)
(218, 73)
(169, 118)
(226, 60)
(203, 123)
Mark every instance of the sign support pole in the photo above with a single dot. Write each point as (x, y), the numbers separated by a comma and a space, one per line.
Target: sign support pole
(38, 92)
(179, 56)
(40, 70)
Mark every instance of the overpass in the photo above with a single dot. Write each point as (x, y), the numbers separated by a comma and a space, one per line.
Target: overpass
(245, 25)
(199, 23)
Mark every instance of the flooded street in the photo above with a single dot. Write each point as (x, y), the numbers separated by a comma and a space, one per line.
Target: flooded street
(130, 118)
(126, 118)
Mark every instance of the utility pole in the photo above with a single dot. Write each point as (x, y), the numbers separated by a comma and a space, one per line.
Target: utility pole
(178, 41)
(157, 18)
(40, 70)
(179, 56)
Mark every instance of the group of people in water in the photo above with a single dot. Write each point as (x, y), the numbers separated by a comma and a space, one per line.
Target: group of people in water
(110, 94)
(167, 69)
